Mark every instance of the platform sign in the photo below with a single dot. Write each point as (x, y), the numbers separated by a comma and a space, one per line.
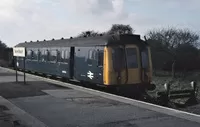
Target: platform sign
(19, 51)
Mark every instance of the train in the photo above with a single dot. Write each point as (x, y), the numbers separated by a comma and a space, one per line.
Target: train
(119, 61)
(122, 61)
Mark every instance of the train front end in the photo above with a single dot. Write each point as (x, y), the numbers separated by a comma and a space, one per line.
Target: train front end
(128, 65)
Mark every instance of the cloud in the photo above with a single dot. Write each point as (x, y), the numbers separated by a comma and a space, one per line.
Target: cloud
(26, 20)
(40, 19)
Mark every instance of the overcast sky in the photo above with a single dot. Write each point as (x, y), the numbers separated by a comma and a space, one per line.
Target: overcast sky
(26, 20)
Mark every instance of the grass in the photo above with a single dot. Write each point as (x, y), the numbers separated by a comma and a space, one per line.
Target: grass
(180, 82)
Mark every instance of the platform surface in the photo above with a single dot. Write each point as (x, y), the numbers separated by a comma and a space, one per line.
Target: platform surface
(55, 106)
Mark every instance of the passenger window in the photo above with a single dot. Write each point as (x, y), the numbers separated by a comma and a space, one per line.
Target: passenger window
(100, 58)
(43, 55)
(63, 56)
(29, 54)
(39, 55)
(53, 56)
(47, 54)
(91, 56)
(66, 55)
(34, 55)
(131, 57)
(58, 56)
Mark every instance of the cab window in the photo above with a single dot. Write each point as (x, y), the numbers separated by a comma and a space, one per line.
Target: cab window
(145, 58)
(131, 54)
(118, 57)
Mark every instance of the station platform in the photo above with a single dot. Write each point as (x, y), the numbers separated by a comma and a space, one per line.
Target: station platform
(40, 103)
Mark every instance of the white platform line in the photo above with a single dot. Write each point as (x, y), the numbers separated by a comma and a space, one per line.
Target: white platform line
(141, 104)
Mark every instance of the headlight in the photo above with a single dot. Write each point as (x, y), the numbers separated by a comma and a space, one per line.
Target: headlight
(165, 86)
(192, 84)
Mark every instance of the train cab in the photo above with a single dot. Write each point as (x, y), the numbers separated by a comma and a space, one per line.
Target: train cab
(128, 65)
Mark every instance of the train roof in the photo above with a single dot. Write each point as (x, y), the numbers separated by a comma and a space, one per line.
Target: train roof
(87, 41)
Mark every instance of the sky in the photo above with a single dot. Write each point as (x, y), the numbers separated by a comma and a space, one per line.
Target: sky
(31, 20)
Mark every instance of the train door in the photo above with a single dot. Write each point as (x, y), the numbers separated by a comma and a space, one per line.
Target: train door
(126, 64)
(71, 65)
(132, 64)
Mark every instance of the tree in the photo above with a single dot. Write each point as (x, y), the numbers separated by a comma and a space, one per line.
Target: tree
(120, 29)
(115, 29)
(172, 37)
(88, 33)
(171, 41)
(2, 45)
(2, 50)
(187, 55)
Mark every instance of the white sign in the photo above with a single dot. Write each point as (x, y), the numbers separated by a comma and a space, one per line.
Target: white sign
(19, 51)
(90, 75)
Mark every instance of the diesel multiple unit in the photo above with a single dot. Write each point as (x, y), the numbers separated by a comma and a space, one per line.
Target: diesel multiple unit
(108, 60)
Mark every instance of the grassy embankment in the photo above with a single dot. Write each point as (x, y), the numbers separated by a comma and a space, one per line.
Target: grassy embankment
(180, 82)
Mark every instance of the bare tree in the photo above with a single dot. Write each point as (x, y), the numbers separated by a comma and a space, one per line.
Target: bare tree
(169, 41)
(172, 37)
(115, 29)
(89, 33)
(120, 29)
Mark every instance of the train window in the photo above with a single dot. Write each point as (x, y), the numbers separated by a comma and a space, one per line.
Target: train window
(44, 55)
(118, 57)
(131, 57)
(100, 58)
(91, 56)
(39, 55)
(145, 59)
(47, 54)
(34, 55)
(29, 54)
(66, 56)
(53, 56)
(58, 56)
(63, 56)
